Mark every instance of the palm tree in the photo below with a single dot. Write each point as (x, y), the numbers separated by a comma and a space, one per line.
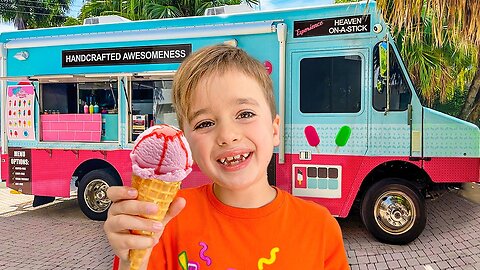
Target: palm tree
(436, 70)
(34, 14)
(447, 32)
(172, 8)
(131, 9)
(152, 9)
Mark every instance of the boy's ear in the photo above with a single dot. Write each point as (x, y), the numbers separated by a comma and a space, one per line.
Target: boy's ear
(276, 130)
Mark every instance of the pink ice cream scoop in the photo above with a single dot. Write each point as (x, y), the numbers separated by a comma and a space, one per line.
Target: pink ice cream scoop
(161, 152)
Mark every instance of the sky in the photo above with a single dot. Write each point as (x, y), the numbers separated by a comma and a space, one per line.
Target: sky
(264, 5)
(277, 4)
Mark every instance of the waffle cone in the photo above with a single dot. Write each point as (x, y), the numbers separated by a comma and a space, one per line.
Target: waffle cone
(158, 192)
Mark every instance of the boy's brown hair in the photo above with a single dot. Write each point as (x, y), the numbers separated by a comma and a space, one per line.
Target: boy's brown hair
(216, 60)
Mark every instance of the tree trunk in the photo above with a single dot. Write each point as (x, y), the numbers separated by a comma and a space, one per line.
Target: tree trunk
(19, 22)
(475, 114)
(473, 92)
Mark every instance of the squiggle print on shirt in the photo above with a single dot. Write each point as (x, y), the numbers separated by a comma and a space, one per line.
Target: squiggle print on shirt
(183, 260)
(271, 260)
(205, 258)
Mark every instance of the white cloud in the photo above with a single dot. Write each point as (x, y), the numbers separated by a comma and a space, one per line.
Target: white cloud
(278, 4)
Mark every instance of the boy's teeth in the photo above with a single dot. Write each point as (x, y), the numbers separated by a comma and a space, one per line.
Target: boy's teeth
(234, 159)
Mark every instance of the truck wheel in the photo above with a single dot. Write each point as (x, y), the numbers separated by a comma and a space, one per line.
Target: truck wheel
(92, 193)
(393, 211)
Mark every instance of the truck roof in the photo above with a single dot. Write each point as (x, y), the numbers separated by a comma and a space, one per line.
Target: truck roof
(326, 11)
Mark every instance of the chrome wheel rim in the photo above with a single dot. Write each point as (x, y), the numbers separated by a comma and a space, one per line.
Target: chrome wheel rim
(395, 212)
(95, 196)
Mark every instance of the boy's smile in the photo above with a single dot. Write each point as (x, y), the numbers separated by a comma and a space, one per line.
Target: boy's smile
(232, 135)
(235, 160)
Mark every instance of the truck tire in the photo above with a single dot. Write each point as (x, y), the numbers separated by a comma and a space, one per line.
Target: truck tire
(393, 211)
(92, 193)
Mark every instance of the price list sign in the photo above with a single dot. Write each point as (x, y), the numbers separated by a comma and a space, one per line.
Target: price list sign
(20, 165)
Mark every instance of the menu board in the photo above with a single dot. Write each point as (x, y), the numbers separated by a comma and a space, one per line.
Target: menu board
(20, 169)
(20, 112)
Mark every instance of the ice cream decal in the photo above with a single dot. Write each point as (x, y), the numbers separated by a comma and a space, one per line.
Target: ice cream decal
(299, 177)
(161, 159)
(342, 137)
(312, 137)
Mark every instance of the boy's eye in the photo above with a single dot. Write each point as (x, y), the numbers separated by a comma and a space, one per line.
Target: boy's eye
(245, 114)
(203, 124)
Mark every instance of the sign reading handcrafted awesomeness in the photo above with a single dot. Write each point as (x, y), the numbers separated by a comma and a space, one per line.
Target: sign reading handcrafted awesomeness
(126, 55)
(20, 169)
(332, 26)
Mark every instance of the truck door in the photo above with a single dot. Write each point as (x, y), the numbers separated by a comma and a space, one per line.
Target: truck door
(396, 118)
(328, 122)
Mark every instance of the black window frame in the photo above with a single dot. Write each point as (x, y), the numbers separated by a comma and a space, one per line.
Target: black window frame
(333, 66)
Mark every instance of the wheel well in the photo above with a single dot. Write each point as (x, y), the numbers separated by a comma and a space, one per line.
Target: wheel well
(94, 164)
(396, 168)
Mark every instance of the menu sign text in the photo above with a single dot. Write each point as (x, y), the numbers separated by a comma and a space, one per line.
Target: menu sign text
(20, 165)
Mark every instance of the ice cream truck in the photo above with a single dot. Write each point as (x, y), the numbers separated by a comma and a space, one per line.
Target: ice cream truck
(353, 130)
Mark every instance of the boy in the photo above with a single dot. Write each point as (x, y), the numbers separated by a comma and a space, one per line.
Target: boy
(225, 106)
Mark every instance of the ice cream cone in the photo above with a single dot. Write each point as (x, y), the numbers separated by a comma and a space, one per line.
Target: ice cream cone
(158, 192)
(161, 159)
(136, 258)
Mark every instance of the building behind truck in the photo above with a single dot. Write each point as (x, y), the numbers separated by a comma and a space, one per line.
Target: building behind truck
(353, 130)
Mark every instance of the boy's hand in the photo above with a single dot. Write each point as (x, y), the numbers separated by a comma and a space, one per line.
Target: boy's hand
(123, 216)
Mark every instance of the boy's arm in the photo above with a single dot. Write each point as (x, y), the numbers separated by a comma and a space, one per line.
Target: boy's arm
(335, 255)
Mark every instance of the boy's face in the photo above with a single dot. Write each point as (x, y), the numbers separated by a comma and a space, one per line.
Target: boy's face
(232, 133)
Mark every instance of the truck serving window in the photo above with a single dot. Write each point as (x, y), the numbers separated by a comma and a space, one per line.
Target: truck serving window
(400, 93)
(154, 98)
(330, 84)
(151, 104)
(59, 98)
(102, 94)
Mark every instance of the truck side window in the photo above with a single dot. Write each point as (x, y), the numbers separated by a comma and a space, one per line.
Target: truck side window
(330, 84)
(154, 98)
(400, 93)
(104, 94)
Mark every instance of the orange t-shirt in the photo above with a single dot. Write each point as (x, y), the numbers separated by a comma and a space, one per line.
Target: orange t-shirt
(288, 233)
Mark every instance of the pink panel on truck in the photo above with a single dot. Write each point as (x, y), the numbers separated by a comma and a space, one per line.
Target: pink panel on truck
(349, 168)
(195, 179)
(4, 165)
(71, 127)
(450, 169)
(353, 169)
(52, 169)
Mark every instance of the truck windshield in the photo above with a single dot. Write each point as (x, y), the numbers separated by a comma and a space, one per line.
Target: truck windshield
(400, 93)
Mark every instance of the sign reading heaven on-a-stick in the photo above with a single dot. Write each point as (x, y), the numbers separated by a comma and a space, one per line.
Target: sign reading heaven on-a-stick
(20, 113)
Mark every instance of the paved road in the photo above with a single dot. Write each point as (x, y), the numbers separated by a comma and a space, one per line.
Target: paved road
(58, 236)
(451, 240)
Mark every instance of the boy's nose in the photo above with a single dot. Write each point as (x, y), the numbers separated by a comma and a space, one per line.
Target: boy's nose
(227, 134)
